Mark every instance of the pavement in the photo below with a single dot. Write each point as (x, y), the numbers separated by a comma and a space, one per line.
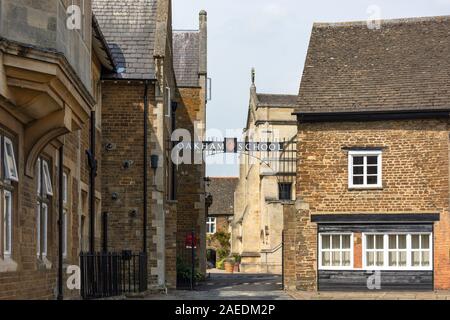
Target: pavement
(436, 295)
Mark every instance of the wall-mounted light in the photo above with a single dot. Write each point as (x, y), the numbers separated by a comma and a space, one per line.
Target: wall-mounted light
(133, 213)
(207, 181)
(154, 159)
(110, 146)
(127, 164)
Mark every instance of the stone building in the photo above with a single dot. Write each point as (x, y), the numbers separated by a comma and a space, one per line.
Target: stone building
(190, 65)
(267, 180)
(372, 208)
(49, 84)
(168, 70)
(59, 88)
(220, 213)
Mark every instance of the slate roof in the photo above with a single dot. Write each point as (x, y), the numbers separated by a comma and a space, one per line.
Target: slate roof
(404, 65)
(222, 190)
(186, 55)
(101, 47)
(129, 28)
(277, 100)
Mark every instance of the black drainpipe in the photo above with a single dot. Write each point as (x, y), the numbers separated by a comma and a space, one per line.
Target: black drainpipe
(145, 212)
(173, 192)
(92, 174)
(60, 225)
(105, 231)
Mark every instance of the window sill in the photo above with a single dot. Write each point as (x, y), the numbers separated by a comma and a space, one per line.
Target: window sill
(270, 201)
(365, 188)
(44, 264)
(7, 265)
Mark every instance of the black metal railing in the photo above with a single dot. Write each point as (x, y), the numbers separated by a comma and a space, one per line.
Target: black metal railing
(112, 274)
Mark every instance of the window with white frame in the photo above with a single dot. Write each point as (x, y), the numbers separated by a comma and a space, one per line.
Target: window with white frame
(41, 229)
(10, 160)
(420, 250)
(375, 250)
(397, 250)
(38, 228)
(9, 177)
(211, 225)
(335, 251)
(365, 169)
(44, 194)
(44, 213)
(65, 184)
(47, 178)
(7, 223)
(404, 251)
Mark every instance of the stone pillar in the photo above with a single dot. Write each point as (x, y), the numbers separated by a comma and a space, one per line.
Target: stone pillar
(289, 213)
(158, 194)
(306, 248)
(171, 245)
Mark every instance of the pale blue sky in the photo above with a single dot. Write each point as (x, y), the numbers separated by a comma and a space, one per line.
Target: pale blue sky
(273, 37)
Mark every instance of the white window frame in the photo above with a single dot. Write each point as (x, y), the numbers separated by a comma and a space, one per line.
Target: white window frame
(375, 251)
(44, 220)
(398, 250)
(38, 229)
(38, 176)
(430, 249)
(409, 250)
(351, 266)
(210, 223)
(365, 154)
(7, 223)
(47, 178)
(11, 173)
(65, 185)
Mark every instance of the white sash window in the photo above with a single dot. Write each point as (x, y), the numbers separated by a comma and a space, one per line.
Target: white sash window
(364, 169)
(7, 223)
(335, 251)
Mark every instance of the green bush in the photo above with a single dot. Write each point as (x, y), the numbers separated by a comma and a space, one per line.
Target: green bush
(224, 240)
(184, 271)
(220, 264)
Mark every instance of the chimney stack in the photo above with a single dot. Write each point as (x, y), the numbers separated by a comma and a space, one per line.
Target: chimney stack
(203, 27)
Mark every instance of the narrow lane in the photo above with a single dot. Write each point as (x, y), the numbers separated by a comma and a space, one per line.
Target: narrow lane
(220, 286)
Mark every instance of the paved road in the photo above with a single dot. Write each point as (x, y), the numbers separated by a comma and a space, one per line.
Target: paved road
(233, 287)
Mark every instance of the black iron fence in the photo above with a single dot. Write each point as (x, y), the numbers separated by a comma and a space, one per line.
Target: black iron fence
(105, 274)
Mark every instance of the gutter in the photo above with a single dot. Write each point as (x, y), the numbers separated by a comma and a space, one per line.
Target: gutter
(371, 115)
